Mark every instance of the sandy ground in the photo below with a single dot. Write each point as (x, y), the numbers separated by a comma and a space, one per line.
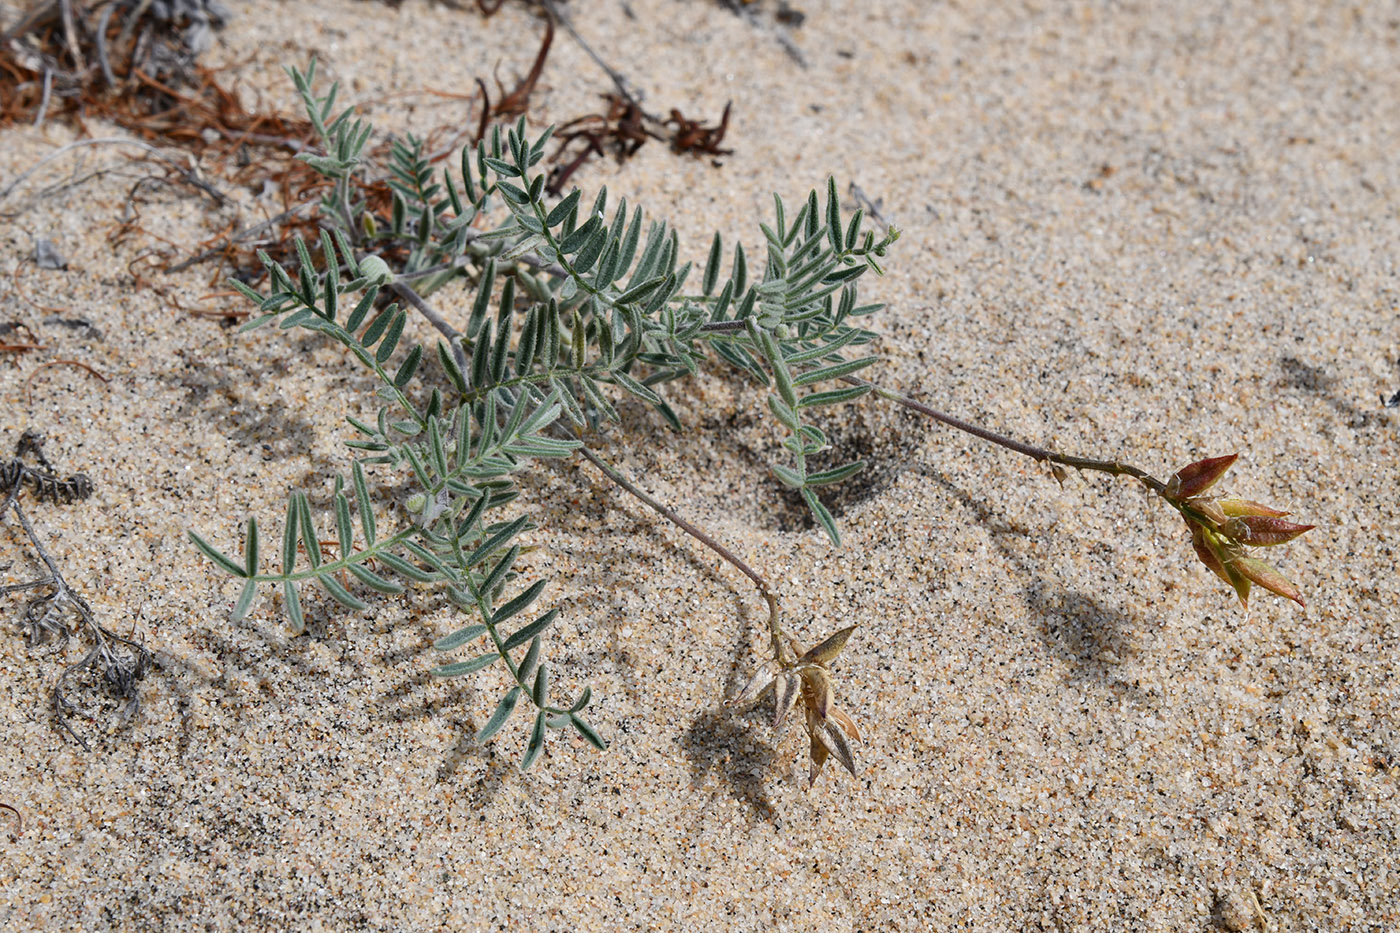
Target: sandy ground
(1149, 231)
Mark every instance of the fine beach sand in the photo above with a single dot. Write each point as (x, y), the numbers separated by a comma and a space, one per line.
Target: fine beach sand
(1155, 232)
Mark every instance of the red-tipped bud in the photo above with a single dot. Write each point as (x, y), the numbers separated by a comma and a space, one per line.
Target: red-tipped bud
(1222, 527)
(1263, 531)
(1195, 478)
(1253, 569)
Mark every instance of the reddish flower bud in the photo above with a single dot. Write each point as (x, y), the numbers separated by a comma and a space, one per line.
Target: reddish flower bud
(1195, 478)
(1221, 556)
(1263, 531)
(1204, 552)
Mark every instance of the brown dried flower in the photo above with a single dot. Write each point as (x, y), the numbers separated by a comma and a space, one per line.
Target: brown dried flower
(809, 677)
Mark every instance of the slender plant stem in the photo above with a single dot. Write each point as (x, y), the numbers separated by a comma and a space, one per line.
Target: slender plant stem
(454, 338)
(723, 327)
(775, 631)
(1035, 453)
(55, 578)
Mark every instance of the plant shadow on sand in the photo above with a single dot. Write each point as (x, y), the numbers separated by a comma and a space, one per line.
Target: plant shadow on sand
(727, 742)
(713, 735)
(1082, 630)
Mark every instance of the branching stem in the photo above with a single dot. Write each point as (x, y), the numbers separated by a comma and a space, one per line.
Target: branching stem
(118, 673)
(775, 631)
(454, 339)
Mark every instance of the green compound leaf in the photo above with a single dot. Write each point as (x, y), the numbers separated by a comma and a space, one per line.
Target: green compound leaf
(621, 313)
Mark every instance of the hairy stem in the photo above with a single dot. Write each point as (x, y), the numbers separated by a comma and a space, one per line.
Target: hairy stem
(775, 631)
(723, 327)
(1035, 453)
(454, 338)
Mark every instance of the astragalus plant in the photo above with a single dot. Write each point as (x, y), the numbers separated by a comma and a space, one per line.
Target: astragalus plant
(550, 311)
